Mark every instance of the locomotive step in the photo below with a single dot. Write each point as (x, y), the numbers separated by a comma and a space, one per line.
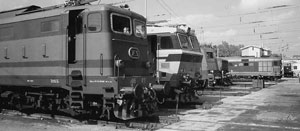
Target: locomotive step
(76, 96)
(76, 75)
(76, 105)
(76, 85)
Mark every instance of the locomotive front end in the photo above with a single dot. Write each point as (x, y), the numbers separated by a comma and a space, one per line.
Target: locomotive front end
(136, 96)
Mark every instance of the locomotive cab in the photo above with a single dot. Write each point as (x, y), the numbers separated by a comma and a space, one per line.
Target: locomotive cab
(177, 58)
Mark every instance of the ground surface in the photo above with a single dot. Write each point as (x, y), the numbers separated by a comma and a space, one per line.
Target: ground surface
(275, 108)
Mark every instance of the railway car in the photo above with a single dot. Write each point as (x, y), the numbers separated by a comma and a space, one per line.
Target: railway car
(268, 68)
(178, 59)
(76, 58)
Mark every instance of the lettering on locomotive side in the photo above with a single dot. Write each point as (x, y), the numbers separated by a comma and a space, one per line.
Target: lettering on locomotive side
(100, 81)
(54, 81)
(30, 81)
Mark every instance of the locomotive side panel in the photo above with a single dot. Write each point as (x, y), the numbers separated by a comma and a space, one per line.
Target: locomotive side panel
(33, 55)
(95, 56)
(252, 67)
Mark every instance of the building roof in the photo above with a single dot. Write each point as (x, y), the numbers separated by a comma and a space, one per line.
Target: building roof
(254, 47)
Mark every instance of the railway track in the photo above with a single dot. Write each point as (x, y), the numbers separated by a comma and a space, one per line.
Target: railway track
(146, 123)
(166, 115)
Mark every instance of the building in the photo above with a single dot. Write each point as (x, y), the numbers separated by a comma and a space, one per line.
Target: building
(255, 51)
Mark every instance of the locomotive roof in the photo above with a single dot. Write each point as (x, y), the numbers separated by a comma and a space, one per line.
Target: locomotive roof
(157, 29)
(34, 12)
(239, 58)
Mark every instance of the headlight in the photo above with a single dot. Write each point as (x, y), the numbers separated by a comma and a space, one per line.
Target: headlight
(148, 64)
(119, 63)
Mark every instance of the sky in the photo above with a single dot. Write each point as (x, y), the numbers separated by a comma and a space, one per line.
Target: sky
(272, 24)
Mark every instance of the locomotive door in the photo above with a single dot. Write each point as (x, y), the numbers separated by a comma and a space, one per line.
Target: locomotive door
(154, 46)
(76, 45)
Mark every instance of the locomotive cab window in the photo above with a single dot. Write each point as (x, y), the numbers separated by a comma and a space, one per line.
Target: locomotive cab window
(166, 43)
(184, 41)
(121, 24)
(194, 42)
(276, 63)
(94, 22)
(140, 29)
(210, 55)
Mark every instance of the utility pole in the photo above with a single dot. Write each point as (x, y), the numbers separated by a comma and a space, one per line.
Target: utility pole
(146, 9)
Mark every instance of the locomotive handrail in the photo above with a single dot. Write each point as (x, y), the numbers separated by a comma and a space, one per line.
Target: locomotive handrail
(101, 64)
(84, 54)
(116, 68)
(66, 55)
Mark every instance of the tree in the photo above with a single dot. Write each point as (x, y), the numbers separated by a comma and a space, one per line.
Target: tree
(226, 50)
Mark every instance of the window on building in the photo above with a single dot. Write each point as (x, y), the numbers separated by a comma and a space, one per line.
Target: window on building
(50, 26)
(121, 24)
(295, 67)
(94, 22)
(246, 64)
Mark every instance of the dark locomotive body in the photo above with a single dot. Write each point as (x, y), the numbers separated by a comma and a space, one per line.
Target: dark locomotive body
(217, 68)
(78, 59)
(287, 70)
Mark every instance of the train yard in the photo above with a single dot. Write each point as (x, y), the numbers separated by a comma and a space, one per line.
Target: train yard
(218, 108)
(118, 71)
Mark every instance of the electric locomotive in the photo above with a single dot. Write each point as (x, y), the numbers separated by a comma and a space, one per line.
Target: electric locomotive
(213, 71)
(247, 68)
(76, 58)
(176, 52)
(216, 68)
(287, 70)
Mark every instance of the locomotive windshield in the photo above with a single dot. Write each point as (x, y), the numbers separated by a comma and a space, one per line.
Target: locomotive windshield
(184, 41)
(121, 24)
(140, 29)
(194, 41)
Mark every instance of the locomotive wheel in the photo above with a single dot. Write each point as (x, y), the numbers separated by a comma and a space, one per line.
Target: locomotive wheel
(16, 102)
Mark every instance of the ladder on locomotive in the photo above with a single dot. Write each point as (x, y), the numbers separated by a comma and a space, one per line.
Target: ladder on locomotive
(76, 93)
